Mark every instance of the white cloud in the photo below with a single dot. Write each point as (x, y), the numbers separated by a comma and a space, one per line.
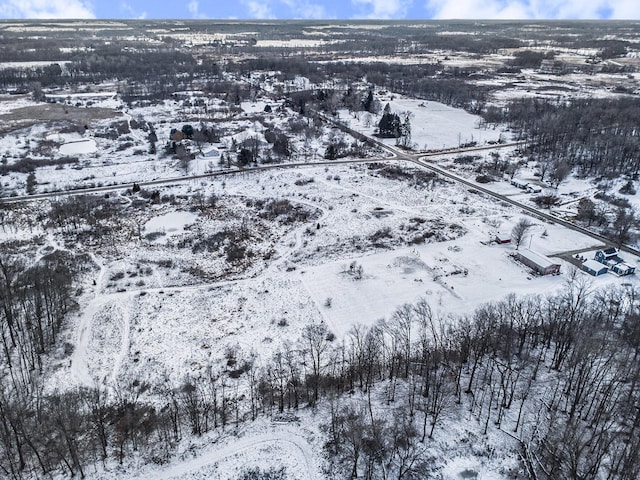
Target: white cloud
(534, 9)
(625, 9)
(46, 9)
(258, 9)
(304, 9)
(194, 9)
(131, 12)
(383, 8)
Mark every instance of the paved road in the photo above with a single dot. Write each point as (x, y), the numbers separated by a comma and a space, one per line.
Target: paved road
(221, 173)
(396, 154)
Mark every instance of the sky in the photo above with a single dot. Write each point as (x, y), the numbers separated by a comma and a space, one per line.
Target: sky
(319, 9)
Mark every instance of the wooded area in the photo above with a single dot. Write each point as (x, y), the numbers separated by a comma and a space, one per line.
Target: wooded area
(558, 375)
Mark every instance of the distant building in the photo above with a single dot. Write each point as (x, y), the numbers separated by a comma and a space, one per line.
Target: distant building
(553, 67)
(211, 153)
(176, 135)
(594, 268)
(538, 262)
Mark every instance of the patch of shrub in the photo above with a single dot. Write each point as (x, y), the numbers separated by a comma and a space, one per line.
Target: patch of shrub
(628, 188)
(117, 276)
(124, 146)
(154, 236)
(304, 181)
(466, 159)
(414, 177)
(484, 179)
(613, 200)
(28, 165)
(284, 211)
(258, 474)
(546, 201)
(381, 234)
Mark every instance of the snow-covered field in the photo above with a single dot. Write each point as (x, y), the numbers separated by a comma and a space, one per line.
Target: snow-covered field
(145, 321)
(434, 126)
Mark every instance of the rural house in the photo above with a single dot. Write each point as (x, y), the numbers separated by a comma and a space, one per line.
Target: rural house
(608, 257)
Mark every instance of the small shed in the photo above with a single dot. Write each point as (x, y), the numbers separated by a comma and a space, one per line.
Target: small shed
(502, 238)
(623, 269)
(540, 263)
(594, 268)
(516, 182)
(211, 153)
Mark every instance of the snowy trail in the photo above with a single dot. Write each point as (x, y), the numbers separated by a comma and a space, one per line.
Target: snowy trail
(125, 338)
(79, 363)
(292, 443)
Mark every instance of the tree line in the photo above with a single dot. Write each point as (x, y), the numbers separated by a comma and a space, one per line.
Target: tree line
(35, 300)
(595, 137)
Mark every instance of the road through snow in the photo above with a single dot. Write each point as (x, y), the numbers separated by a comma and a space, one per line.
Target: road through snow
(294, 447)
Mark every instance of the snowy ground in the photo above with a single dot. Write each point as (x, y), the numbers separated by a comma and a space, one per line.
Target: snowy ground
(434, 126)
(156, 307)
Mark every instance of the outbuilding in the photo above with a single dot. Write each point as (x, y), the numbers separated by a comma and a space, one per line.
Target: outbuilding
(212, 152)
(521, 184)
(623, 269)
(502, 238)
(540, 263)
(594, 268)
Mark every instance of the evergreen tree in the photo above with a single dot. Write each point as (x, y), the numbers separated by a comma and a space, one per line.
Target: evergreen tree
(389, 125)
(368, 104)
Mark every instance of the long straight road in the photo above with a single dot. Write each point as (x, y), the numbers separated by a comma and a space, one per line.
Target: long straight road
(221, 173)
(396, 154)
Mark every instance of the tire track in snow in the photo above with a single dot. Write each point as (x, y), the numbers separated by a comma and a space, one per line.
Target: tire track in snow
(79, 363)
(125, 337)
(82, 351)
(293, 444)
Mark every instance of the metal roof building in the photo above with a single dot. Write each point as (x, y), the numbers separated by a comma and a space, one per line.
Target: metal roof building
(540, 263)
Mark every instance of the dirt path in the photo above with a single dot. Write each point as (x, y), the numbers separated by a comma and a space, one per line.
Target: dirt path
(293, 445)
(79, 363)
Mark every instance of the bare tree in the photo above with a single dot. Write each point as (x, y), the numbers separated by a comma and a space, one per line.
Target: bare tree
(560, 172)
(519, 231)
(315, 337)
(625, 220)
